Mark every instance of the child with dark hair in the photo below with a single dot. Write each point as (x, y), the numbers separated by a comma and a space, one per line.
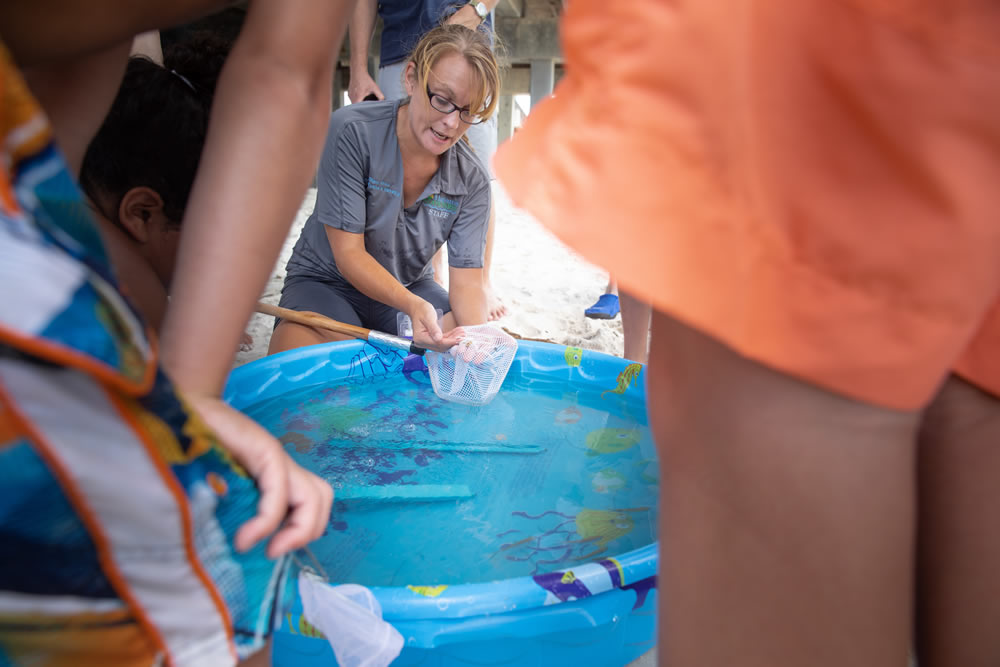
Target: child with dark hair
(139, 168)
(143, 520)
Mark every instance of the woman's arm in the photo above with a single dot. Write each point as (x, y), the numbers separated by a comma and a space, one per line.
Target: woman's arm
(466, 256)
(467, 294)
(371, 279)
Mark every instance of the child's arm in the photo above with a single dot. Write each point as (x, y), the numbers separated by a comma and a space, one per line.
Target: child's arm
(268, 121)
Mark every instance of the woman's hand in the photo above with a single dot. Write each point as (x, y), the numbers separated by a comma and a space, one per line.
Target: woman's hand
(293, 501)
(426, 331)
(473, 350)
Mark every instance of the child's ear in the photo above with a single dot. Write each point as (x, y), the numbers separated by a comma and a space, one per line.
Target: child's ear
(410, 78)
(137, 208)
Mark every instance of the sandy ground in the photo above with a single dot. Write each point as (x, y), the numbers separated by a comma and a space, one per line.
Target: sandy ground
(545, 285)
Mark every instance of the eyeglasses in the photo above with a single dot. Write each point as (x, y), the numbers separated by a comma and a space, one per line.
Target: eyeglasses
(446, 106)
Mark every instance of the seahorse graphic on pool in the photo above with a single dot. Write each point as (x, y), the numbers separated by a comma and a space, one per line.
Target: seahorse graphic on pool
(308, 629)
(625, 379)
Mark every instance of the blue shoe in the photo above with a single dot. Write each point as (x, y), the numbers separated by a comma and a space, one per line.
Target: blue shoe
(606, 308)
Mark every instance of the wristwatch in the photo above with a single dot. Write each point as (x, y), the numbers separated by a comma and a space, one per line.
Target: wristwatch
(481, 10)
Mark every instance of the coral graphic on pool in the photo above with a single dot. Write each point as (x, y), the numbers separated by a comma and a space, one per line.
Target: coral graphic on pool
(574, 538)
(542, 481)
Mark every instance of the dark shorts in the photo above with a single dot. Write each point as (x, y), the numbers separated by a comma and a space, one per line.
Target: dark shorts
(341, 301)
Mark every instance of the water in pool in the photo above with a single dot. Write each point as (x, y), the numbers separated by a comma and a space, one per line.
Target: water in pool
(545, 477)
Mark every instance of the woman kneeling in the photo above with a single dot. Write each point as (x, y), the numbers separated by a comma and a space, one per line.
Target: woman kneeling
(395, 183)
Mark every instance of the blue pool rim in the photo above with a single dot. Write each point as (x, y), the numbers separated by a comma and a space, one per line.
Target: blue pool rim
(329, 363)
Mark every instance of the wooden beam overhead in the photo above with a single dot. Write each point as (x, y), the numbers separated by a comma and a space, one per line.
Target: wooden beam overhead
(517, 79)
(530, 39)
(513, 8)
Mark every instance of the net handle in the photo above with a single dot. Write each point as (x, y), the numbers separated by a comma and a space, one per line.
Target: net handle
(324, 322)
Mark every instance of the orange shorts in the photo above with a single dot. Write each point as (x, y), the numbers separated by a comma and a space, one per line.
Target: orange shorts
(815, 183)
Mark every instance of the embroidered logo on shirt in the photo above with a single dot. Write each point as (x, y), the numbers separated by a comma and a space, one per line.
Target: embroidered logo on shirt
(441, 207)
(382, 186)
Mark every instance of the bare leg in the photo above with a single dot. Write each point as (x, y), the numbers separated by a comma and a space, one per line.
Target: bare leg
(786, 515)
(495, 307)
(635, 327)
(958, 584)
(448, 322)
(289, 335)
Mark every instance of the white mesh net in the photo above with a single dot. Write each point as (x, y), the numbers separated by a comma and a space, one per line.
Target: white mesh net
(472, 371)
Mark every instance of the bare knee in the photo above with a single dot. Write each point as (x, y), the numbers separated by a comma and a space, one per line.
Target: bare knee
(289, 336)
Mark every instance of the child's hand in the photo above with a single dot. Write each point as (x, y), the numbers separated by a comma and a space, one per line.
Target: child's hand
(293, 501)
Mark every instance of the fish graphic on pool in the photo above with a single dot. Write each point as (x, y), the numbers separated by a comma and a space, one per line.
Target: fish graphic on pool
(570, 415)
(574, 355)
(611, 440)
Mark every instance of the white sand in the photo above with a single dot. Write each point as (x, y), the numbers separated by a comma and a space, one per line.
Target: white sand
(545, 285)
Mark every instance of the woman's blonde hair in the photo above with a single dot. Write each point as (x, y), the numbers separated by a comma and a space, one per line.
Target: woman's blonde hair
(475, 47)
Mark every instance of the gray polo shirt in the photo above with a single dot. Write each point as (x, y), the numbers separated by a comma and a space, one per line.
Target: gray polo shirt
(360, 190)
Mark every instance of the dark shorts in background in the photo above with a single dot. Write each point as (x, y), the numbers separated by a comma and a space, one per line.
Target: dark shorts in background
(341, 301)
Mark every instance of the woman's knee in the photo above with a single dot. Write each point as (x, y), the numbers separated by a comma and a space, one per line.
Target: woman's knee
(289, 336)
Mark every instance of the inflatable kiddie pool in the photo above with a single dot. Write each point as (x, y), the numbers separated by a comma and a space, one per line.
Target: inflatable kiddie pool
(521, 532)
